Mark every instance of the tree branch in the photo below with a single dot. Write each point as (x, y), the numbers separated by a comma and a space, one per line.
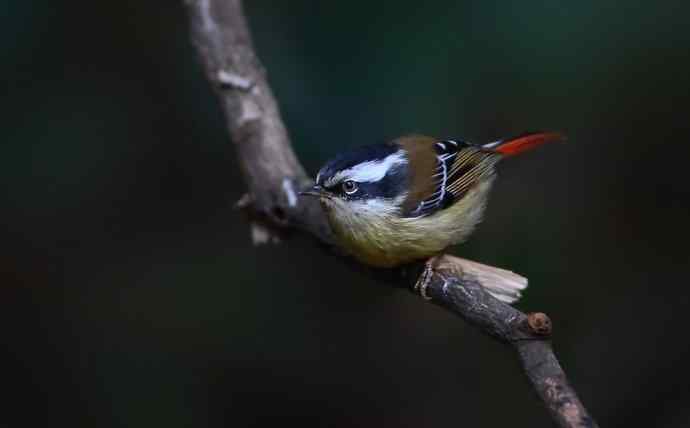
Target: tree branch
(274, 176)
(273, 173)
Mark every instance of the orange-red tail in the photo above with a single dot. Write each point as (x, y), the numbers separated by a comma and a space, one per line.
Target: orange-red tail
(524, 142)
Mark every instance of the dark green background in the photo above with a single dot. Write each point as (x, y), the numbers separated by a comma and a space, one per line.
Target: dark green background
(133, 298)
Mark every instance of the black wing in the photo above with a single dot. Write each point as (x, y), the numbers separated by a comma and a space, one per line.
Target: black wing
(459, 166)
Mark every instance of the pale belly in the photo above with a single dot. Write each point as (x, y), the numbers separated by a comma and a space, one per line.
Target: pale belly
(386, 240)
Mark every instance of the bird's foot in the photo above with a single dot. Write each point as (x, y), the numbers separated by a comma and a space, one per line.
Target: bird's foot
(424, 279)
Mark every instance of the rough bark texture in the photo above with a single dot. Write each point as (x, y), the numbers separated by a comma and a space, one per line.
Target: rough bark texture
(527, 333)
(274, 176)
(269, 165)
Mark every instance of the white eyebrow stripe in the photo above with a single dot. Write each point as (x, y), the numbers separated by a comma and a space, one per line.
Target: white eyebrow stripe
(441, 145)
(369, 171)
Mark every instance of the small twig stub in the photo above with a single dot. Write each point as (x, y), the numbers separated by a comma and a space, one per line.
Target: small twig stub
(228, 79)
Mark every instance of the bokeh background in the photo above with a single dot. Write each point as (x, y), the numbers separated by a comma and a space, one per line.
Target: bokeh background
(131, 295)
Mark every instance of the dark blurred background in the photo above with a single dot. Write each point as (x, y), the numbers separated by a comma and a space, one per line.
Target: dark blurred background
(132, 296)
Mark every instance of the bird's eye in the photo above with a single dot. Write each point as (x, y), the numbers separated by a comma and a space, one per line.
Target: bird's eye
(349, 187)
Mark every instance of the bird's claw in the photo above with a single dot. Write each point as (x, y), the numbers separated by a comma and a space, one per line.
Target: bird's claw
(425, 279)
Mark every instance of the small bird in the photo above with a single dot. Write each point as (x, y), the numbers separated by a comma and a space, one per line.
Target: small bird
(411, 198)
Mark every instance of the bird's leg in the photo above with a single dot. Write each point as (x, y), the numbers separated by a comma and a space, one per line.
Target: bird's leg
(425, 278)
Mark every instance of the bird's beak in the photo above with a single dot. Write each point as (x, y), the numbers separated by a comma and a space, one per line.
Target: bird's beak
(314, 191)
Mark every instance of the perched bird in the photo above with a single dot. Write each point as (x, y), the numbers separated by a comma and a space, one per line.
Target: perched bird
(409, 199)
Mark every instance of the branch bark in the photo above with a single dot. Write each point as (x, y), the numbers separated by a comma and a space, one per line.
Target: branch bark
(274, 176)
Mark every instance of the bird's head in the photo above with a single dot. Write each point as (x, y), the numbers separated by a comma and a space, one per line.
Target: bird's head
(370, 179)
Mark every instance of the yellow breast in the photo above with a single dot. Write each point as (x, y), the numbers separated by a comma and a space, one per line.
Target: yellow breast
(375, 233)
